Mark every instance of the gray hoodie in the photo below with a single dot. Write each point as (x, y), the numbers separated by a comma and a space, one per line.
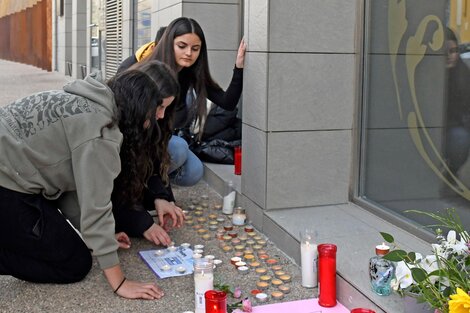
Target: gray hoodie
(57, 143)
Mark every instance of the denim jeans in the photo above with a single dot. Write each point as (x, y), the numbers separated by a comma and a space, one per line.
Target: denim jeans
(457, 147)
(186, 169)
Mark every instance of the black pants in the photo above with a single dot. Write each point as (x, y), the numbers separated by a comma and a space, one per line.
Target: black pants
(36, 242)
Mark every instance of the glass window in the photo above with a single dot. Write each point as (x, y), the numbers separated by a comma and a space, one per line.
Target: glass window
(142, 22)
(415, 133)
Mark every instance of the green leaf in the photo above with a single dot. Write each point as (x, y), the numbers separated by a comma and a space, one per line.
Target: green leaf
(412, 256)
(396, 255)
(418, 274)
(387, 237)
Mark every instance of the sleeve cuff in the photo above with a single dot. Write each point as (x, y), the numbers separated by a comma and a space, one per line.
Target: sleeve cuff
(108, 260)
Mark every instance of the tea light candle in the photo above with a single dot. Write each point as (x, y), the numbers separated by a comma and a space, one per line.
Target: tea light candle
(217, 262)
(228, 227)
(204, 197)
(210, 257)
(240, 263)
(199, 251)
(261, 251)
(201, 220)
(235, 241)
(199, 246)
(227, 248)
(198, 213)
(285, 278)
(191, 207)
(220, 235)
(257, 247)
(262, 285)
(265, 278)
(277, 295)
(254, 292)
(199, 208)
(243, 237)
(212, 227)
(261, 242)
(226, 238)
(251, 234)
(213, 216)
(165, 267)
(261, 297)
(171, 248)
(249, 228)
(232, 233)
(185, 245)
(243, 270)
(254, 264)
(271, 262)
(279, 273)
(382, 249)
(206, 237)
(159, 252)
(248, 251)
(194, 200)
(220, 219)
(235, 259)
(238, 254)
(197, 226)
(218, 207)
(249, 257)
(261, 271)
(276, 268)
(276, 282)
(197, 255)
(284, 288)
(205, 204)
(181, 269)
(257, 237)
(250, 242)
(189, 222)
(239, 247)
(201, 231)
(263, 257)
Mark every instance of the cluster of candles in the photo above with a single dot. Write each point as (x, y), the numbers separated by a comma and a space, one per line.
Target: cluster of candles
(245, 247)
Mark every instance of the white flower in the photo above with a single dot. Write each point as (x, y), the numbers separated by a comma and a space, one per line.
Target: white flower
(429, 264)
(452, 237)
(403, 275)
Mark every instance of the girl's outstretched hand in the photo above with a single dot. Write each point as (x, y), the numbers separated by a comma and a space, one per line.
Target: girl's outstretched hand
(139, 290)
(240, 62)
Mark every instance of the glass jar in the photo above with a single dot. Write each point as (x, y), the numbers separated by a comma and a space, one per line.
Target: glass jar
(381, 271)
(203, 281)
(239, 216)
(327, 275)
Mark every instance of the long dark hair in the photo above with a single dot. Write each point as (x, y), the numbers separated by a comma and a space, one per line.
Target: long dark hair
(197, 74)
(137, 93)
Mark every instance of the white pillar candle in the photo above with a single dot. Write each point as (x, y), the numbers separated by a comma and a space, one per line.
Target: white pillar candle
(203, 281)
(309, 258)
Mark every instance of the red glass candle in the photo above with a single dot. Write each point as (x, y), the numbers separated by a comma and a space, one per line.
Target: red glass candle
(238, 160)
(216, 301)
(327, 275)
(361, 310)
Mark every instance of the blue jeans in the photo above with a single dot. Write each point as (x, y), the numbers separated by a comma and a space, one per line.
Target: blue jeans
(458, 146)
(186, 169)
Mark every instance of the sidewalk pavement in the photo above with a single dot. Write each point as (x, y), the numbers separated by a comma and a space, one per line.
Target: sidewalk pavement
(93, 294)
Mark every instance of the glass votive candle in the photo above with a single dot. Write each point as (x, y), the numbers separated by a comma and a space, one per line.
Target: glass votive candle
(257, 247)
(284, 288)
(243, 237)
(266, 278)
(262, 285)
(249, 257)
(271, 262)
(261, 271)
(215, 301)
(261, 251)
(228, 227)
(254, 264)
(251, 234)
(248, 251)
(279, 273)
(257, 237)
(277, 295)
(276, 267)
(232, 233)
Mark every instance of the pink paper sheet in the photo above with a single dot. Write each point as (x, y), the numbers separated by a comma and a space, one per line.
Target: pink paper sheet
(300, 306)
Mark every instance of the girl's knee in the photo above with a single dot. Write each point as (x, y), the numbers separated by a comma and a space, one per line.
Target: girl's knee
(178, 149)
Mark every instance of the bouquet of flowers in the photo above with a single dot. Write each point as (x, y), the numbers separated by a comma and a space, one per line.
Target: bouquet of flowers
(442, 278)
